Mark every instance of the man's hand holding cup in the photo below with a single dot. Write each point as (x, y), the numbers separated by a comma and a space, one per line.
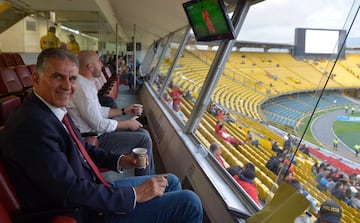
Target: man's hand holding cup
(138, 159)
(136, 109)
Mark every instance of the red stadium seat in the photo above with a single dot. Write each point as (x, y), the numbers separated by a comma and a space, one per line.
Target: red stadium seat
(24, 76)
(10, 206)
(18, 59)
(111, 87)
(8, 59)
(7, 105)
(32, 68)
(2, 63)
(10, 83)
(4, 217)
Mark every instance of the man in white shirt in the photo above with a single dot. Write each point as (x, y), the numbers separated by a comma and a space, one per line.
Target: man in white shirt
(89, 116)
(178, 112)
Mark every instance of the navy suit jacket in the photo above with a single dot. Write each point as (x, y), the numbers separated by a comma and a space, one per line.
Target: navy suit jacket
(47, 171)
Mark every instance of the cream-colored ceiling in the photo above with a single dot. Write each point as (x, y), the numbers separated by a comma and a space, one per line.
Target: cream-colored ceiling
(152, 19)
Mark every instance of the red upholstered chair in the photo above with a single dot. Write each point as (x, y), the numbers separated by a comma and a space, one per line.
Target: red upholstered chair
(10, 83)
(18, 59)
(7, 105)
(4, 217)
(24, 76)
(8, 59)
(111, 87)
(2, 63)
(32, 68)
(10, 207)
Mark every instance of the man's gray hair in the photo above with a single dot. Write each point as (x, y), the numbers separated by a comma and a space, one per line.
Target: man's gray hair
(56, 53)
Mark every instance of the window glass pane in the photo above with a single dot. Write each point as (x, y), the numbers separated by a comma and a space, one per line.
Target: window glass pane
(280, 74)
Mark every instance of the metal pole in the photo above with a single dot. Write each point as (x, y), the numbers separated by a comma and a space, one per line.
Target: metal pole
(216, 69)
(134, 56)
(178, 53)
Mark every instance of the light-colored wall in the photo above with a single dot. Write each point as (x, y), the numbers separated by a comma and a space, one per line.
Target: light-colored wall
(18, 39)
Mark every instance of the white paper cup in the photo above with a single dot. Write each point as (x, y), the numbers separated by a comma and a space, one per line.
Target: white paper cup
(140, 156)
(139, 109)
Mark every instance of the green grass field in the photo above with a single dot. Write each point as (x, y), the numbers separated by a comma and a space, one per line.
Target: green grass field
(348, 132)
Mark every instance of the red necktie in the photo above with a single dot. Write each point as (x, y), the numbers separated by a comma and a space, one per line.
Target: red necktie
(83, 151)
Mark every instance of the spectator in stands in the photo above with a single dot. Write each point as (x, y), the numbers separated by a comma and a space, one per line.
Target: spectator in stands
(304, 149)
(47, 170)
(216, 151)
(331, 184)
(73, 45)
(250, 139)
(227, 118)
(322, 173)
(125, 70)
(330, 212)
(288, 143)
(177, 111)
(229, 138)
(315, 169)
(189, 96)
(324, 181)
(339, 191)
(135, 77)
(273, 164)
(168, 100)
(212, 109)
(275, 147)
(217, 128)
(50, 40)
(176, 94)
(245, 179)
(89, 116)
(220, 115)
(356, 201)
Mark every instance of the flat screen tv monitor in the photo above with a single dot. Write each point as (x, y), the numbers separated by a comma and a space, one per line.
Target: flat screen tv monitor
(209, 20)
(130, 46)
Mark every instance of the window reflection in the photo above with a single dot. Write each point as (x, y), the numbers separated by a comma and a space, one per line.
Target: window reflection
(267, 98)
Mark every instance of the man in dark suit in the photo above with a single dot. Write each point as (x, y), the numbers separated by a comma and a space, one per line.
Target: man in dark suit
(47, 169)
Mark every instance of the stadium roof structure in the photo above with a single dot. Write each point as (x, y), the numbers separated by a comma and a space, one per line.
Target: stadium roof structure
(262, 45)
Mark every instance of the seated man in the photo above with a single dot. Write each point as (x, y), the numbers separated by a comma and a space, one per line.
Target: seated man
(89, 116)
(245, 177)
(216, 151)
(229, 138)
(177, 111)
(50, 166)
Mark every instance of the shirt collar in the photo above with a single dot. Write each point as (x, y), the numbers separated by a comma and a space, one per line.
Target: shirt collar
(58, 112)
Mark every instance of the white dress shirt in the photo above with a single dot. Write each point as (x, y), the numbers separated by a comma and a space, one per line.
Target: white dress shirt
(86, 111)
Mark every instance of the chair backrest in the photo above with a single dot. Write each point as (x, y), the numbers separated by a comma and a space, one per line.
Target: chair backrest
(9, 81)
(8, 59)
(107, 72)
(18, 59)
(9, 202)
(24, 76)
(7, 105)
(2, 63)
(32, 68)
(8, 197)
(4, 216)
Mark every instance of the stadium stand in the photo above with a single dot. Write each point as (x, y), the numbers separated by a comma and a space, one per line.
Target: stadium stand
(284, 103)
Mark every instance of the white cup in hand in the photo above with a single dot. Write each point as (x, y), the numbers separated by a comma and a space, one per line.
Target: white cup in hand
(139, 109)
(140, 156)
